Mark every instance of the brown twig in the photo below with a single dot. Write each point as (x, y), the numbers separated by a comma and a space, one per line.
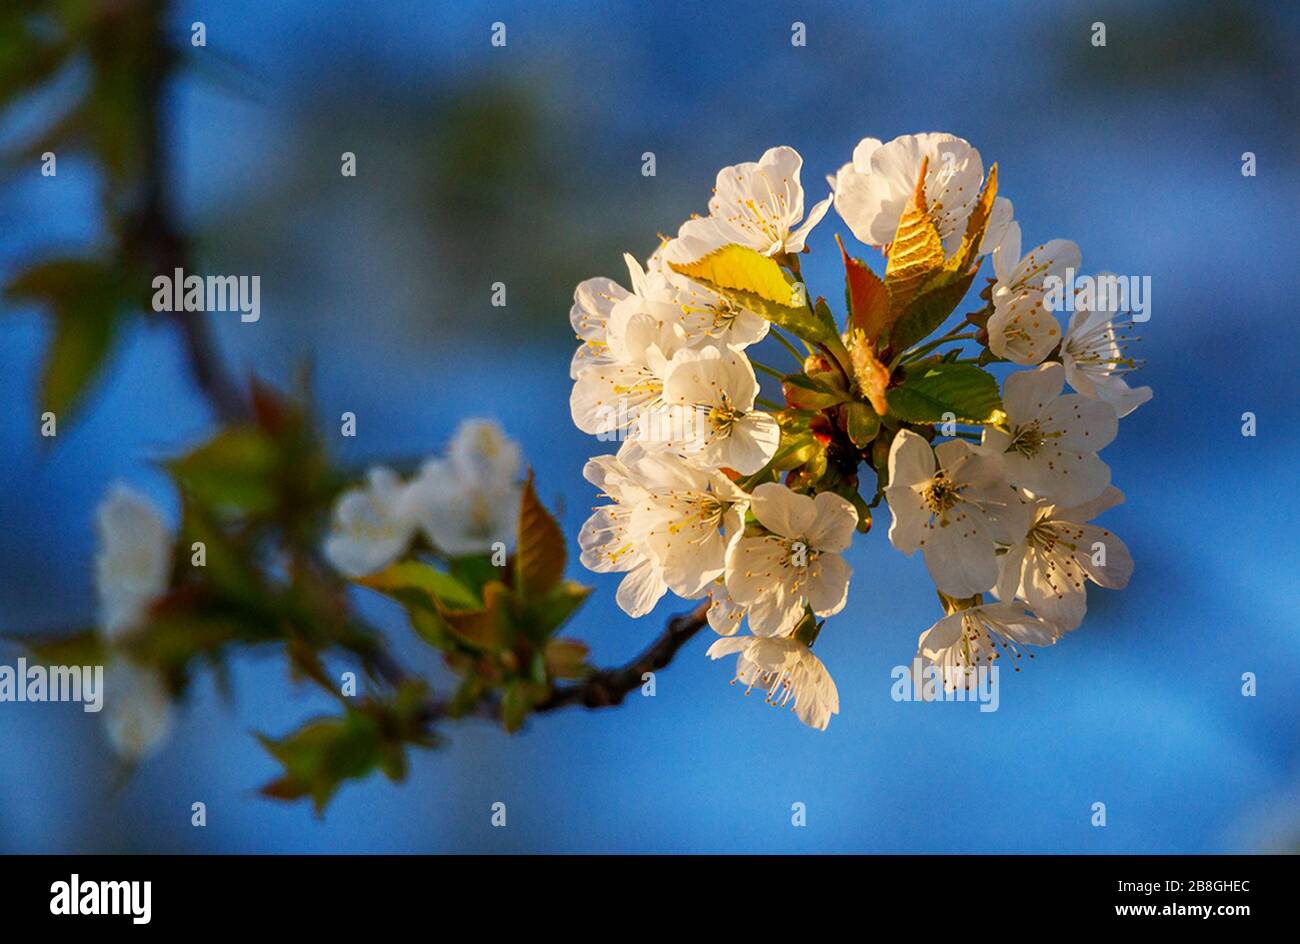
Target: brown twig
(610, 686)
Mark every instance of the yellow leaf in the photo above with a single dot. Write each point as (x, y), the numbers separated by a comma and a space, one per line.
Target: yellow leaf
(742, 269)
(976, 224)
(917, 251)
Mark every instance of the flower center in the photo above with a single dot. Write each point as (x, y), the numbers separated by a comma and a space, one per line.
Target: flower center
(942, 494)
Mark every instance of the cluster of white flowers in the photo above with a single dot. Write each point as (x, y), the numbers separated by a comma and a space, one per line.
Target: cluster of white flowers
(466, 502)
(693, 503)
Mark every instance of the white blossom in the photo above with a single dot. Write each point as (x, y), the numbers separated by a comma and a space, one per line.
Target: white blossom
(608, 541)
(872, 190)
(796, 564)
(1050, 442)
(469, 500)
(787, 671)
(593, 302)
(371, 526)
(1095, 362)
(724, 614)
(1022, 328)
(953, 505)
(133, 563)
(710, 416)
(1059, 553)
(679, 516)
(979, 635)
(758, 205)
(138, 711)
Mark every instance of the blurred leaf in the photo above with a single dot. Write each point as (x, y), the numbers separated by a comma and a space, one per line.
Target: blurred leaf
(235, 471)
(321, 755)
(84, 647)
(418, 583)
(84, 296)
(540, 549)
(566, 659)
(515, 706)
(548, 613)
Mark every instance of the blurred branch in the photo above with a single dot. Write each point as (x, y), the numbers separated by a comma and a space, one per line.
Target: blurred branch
(155, 237)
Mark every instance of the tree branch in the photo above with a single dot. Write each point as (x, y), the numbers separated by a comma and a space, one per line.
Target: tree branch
(610, 686)
(602, 689)
(152, 234)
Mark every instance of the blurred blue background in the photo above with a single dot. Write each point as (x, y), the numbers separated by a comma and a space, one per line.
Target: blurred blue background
(523, 165)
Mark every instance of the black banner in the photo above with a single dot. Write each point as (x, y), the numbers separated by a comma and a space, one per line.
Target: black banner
(362, 893)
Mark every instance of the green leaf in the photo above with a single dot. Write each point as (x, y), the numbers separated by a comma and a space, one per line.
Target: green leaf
(805, 393)
(319, 756)
(85, 647)
(863, 424)
(930, 391)
(540, 549)
(548, 614)
(421, 584)
(84, 298)
(236, 471)
(757, 282)
(929, 309)
(515, 706)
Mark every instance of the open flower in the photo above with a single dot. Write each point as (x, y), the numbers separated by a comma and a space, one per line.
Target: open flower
(593, 301)
(679, 517)
(608, 541)
(371, 526)
(755, 205)
(872, 190)
(706, 318)
(611, 394)
(787, 671)
(1095, 362)
(469, 500)
(1022, 328)
(1049, 566)
(796, 563)
(1050, 442)
(952, 504)
(133, 564)
(710, 414)
(979, 635)
(724, 614)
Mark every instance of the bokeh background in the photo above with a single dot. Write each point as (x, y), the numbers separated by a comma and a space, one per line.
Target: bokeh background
(523, 165)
